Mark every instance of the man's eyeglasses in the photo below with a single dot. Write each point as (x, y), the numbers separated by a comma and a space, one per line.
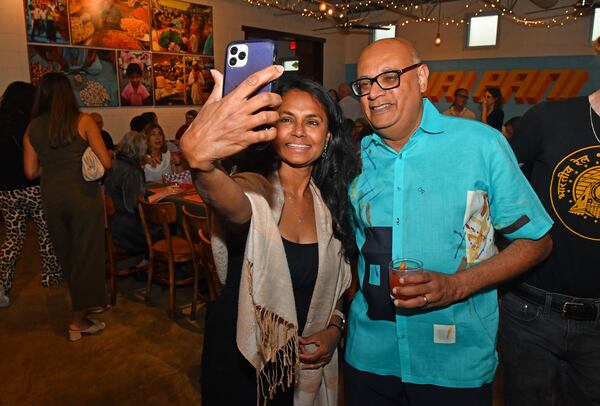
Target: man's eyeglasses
(386, 80)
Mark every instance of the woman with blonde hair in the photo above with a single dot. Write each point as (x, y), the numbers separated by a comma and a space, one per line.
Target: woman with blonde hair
(53, 146)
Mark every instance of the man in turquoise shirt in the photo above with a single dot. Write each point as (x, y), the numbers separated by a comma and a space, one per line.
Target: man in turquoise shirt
(434, 188)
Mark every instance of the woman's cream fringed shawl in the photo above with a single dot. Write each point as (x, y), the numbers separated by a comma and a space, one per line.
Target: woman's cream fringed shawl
(267, 328)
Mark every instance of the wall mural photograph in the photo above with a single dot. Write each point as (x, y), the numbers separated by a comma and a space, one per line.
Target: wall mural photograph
(199, 81)
(122, 24)
(47, 21)
(169, 79)
(108, 54)
(135, 78)
(90, 71)
(178, 26)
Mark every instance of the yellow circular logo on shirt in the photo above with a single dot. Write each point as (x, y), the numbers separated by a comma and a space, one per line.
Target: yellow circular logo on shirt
(575, 192)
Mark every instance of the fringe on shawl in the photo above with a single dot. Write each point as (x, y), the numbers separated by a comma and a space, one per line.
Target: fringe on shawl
(281, 364)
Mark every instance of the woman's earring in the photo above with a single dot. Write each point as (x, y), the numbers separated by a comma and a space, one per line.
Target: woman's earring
(324, 154)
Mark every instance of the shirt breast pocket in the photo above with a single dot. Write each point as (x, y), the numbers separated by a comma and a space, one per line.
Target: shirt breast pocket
(376, 252)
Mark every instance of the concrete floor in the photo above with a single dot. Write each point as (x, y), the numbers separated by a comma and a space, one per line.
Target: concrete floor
(142, 358)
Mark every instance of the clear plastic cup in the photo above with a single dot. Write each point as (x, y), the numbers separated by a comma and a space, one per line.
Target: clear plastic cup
(400, 267)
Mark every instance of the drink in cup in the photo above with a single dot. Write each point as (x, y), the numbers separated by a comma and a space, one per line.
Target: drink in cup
(400, 267)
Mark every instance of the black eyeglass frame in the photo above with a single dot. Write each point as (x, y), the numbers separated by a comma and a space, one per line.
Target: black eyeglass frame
(399, 72)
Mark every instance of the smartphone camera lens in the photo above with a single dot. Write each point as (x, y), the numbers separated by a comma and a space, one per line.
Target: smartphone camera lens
(232, 61)
(233, 50)
(242, 56)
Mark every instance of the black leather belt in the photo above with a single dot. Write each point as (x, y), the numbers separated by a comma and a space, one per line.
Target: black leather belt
(569, 307)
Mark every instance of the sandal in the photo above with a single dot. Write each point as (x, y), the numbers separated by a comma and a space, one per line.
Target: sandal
(97, 326)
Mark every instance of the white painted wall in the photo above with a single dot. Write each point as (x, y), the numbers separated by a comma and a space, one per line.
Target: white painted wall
(229, 16)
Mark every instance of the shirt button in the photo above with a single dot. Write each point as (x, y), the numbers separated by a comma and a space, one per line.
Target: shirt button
(402, 336)
(398, 188)
(397, 221)
(399, 156)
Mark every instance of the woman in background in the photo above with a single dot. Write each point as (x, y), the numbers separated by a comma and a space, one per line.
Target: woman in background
(492, 113)
(159, 161)
(124, 184)
(20, 198)
(53, 146)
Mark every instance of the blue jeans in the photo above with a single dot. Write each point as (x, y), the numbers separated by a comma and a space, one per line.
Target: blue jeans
(548, 359)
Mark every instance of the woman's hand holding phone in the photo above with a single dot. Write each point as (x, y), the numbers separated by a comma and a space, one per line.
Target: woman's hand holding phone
(225, 125)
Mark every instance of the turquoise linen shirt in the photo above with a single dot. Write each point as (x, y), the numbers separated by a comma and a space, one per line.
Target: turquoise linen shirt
(439, 200)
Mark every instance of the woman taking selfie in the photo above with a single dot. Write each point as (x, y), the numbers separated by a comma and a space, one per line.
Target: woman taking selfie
(283, 250)
(53, 146)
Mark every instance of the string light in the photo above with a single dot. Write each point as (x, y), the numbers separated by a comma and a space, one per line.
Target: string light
(438, 38)
(415, 11)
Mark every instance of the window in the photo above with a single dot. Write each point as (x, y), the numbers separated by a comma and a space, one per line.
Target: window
(596, 24)
(482, 31)
(378, 34)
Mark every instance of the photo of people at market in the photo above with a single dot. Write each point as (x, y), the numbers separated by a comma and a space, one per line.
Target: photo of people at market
(92, 72)
(47, 21)
(110, 23)
(179, 26)
(135, 78)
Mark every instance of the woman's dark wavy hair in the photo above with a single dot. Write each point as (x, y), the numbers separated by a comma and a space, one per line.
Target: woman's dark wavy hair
(55, 97)
(499, 103)
(334, 172)
(16, 103)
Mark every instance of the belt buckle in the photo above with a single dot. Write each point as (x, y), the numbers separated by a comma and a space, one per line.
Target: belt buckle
(569, 306)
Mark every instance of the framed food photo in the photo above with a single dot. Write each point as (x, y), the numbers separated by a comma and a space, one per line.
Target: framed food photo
(179, 26)
(135, 78)
(46, 21)
(198, 80)
(121, 24)
(169, 79)
(92, 72)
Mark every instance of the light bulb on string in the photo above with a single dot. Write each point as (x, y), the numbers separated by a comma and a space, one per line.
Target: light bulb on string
(438, 38)
(323, 7)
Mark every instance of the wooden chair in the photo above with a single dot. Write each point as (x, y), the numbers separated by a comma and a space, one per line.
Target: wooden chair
(171, 250)
(115, 254)
(197, 232)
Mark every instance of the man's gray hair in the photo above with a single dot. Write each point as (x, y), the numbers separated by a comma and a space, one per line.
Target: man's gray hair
(134, 145)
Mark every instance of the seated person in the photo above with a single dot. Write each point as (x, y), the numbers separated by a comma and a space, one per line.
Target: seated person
(124, 184)
(158, 159)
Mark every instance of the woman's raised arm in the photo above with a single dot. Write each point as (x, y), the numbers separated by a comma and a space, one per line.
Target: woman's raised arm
(224, 127)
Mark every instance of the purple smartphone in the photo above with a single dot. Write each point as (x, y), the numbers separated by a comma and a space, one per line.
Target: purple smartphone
(243, 58)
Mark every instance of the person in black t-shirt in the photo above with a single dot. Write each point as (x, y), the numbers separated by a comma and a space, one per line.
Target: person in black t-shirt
(549, 332)
(108, 142)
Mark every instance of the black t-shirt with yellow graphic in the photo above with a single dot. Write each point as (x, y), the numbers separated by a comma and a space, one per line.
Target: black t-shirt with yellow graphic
(555, 142)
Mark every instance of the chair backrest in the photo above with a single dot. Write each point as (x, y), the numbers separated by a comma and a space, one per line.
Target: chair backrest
(197, 232)
(163, 214)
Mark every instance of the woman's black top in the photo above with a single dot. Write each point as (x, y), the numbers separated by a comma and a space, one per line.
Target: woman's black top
(496, 119)
(303, 262)
(12, 175)
(222, 362)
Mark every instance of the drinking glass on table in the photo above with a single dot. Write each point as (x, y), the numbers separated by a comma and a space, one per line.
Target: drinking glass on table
(400, 267)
